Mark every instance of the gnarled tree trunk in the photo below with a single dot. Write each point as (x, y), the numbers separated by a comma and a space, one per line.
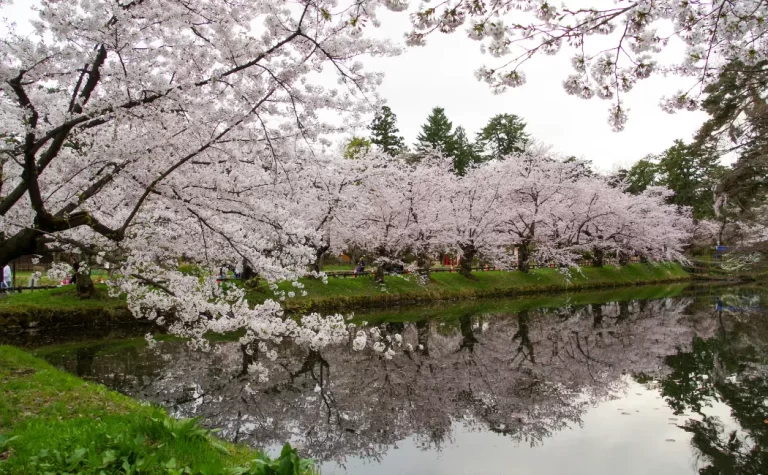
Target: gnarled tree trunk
(83, 281)
(469, 252)
(599, 257)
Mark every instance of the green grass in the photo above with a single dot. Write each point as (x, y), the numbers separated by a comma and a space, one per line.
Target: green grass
(332, 267)
(64, 297)
(355, 292)
(53, 422)
(62, 305)
(22, 278)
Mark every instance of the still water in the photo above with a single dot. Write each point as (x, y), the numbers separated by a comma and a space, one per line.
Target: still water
(661, 380)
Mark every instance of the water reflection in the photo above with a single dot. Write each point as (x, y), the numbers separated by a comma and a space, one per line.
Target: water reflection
(726, 369)
(524, 377)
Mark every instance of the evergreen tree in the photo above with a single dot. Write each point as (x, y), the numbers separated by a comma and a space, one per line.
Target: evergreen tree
(738, 125)
(464, 153)
(384, 132)
(692, 174)
(503, 135)
(643, 174)
(436, 133)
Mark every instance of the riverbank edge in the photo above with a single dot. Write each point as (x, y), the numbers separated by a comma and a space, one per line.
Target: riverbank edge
(340, 295)
(343, 303)
(83, 417)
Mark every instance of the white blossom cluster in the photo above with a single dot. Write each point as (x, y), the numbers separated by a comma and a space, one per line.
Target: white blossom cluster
(172, 139)
(613, 47)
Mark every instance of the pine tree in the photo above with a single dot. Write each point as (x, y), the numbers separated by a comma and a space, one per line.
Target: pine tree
(436, 133)
(464, 153)
(503, 135)
(384, 132)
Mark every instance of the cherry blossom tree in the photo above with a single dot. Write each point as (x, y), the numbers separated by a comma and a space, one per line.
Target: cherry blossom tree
(536, 190)
(143, 132)
(397, 211)
(139, 132)
(474, 208)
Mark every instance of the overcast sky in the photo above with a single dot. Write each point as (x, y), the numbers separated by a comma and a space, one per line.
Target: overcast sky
(442, 74)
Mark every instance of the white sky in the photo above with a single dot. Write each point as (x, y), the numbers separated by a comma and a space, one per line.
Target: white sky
(442, 74)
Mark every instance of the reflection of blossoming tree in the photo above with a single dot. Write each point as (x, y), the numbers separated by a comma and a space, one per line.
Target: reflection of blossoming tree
(525, 376)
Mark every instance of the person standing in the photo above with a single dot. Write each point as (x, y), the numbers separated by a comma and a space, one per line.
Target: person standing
(7, 278)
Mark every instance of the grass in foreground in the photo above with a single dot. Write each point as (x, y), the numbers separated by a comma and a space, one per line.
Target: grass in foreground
(52, 422)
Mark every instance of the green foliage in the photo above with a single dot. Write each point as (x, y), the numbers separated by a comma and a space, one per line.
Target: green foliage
(738, 124)
(437, 133)
(503, 135)
(385, 134)
(692, 174)
(690, 171)
(723, 369)
(464, 153)
(288, 463)
(356, 148)
(642, 175)
(53, 422)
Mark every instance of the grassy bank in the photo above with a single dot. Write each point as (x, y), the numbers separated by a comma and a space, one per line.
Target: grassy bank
(349, 293)
(446, 311)
(52, 422)
(61, 307)
(46, 308)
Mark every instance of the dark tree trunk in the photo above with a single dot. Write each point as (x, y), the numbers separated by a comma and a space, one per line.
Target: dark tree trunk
(379, 275)
(84, 285)
(469, 252)
(523, 334)
(317, 266)
(468, 339)
(599, 257)
(248, 359)
(623, 258)
(83, 281)
(623, 311)
(249, 277)
(597, 316)
(524, 257)
(382, 267)
(425, 264)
